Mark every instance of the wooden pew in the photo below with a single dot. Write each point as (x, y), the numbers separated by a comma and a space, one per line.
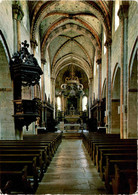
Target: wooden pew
(27, 151)
(118, 151)
(17, 146)
(124, 181)
(14, 165)
(90, 138)
(91, 142)
(112, 149)
(110, 170)
(15, 181)
(46, 145)
(109, 142)
(55, 137)
(114, 156)
(14, 153)
(26, 157)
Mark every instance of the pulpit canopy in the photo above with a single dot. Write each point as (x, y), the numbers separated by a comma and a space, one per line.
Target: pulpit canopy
(24, 67)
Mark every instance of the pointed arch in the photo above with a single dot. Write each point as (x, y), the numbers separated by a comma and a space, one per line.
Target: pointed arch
(104, 89)
(132, 113)
(133, 53)
(67, 42)
(6, 93)
(115, 97)
(5, 46)
(117, 67)
(99, 8)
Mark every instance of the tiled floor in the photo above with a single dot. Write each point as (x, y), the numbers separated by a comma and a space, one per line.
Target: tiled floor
(71, 172)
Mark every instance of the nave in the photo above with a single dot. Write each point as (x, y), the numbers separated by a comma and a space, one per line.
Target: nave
(71, 172)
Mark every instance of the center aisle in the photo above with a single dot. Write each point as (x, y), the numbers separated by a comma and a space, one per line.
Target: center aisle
(71, 172)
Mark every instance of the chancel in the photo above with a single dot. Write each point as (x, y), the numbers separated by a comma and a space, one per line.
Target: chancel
(68, 97)
(72, 93)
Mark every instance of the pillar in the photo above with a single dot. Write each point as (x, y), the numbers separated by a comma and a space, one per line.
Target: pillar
(53, 94)
(34, 44)
(90, 95)
(99, 78)
(80, 102)
(17, 18)
(108, 86)
(34, 88)
(33, 47)
(43, 61)
(99, 91)
(123, 15)
(62, 106)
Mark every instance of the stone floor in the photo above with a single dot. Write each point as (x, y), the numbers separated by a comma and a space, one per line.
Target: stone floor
(71, 172)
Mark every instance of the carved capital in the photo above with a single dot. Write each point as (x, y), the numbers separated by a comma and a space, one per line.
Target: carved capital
(90, 80)
(98, 61)
(34, 43)
(43, 61)
(123, 11)
(108, 42)
(17, 12)
(53, 80)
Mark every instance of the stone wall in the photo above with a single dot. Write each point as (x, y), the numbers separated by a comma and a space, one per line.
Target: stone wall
(6, 23)
(132, 101)
(132, 26)
(115, 117)
(6, 99)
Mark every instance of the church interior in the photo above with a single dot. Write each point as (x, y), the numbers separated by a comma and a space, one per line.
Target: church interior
(68, 96)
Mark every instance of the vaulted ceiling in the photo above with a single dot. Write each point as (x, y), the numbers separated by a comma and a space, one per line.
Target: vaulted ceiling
(71, 32)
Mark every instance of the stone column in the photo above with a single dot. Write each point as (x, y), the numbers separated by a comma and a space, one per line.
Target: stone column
(53, 94)
(43, 61)
(108, 84)
(62, 106)
(33, 47)
(99, 90)
(17, 17)
(34, 88)
(99, 78)
(123, 15)
(80, 103)
(90, 95)
(34, 44)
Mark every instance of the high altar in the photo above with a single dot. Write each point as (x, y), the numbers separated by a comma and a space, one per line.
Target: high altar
(71, 96)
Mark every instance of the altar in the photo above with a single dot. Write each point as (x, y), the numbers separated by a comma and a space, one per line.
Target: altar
(71, 96)
(71, 127)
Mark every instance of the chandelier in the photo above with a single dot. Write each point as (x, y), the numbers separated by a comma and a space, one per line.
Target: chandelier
(72, 86)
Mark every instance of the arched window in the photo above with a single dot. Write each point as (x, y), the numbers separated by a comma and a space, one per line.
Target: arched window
(59, 103)
(116, 14)
(84, 103)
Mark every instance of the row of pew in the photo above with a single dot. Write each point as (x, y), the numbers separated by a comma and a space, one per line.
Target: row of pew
(115, 160)
(24, 162)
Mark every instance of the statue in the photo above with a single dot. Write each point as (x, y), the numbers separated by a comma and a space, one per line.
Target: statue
(72, 109)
